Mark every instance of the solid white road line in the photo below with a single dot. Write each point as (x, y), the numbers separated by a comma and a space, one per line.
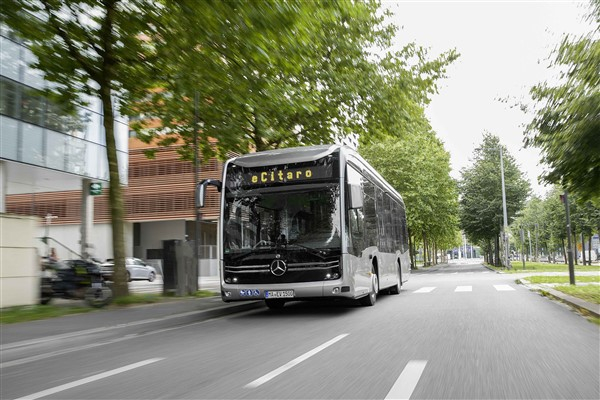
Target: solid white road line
(464, 289)
(407, 381)
(504, 288)
(296, 361)
(425, 289)
(89, 379)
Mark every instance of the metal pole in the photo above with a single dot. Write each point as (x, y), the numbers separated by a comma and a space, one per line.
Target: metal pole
(505, 214)
(198, 273)
(537, 253)
(569, 242)
(523, 247)
(529, 238)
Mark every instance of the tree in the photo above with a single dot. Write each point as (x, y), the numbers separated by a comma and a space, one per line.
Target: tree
(418, 167)
(566, 125)
(304, 73)
(95, 48)
(529, 220)
(480, 188)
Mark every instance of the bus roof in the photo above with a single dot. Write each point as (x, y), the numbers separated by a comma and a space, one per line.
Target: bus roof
(284, 156)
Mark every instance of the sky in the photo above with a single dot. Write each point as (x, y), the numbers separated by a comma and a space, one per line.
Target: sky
(505, 48)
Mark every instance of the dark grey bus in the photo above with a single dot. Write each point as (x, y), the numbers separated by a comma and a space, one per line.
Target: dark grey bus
(308, 223)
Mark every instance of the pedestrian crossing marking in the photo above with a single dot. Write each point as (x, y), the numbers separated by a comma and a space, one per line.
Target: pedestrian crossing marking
(464, 289)
(499, 288)
(426, 289)
(504, 288)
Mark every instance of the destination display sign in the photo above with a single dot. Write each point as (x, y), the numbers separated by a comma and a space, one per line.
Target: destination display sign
(240, 177)
(286, 175)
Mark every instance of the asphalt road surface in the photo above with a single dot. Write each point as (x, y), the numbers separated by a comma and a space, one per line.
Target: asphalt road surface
(456, 332)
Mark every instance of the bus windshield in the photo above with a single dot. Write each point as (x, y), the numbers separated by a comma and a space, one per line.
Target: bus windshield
(268, 219)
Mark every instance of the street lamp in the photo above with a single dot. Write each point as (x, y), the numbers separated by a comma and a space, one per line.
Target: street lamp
(505, 227)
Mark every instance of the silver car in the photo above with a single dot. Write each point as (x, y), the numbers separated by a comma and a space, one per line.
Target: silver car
(137, 269)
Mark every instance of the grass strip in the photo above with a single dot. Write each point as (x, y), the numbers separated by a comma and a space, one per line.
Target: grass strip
(589, 293)
(12, 315)
(563, 279)
(517, 267)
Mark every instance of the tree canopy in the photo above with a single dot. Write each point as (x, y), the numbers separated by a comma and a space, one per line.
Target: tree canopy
(278, 74)
(418, 167)
(566, 126)
(480, 188)
(545, 219)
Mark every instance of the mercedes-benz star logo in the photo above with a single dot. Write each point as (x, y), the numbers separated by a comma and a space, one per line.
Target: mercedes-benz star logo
(278, 267)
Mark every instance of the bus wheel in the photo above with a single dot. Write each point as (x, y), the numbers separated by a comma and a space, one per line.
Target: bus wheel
(371, 298)
(275, 304)
(398, 286)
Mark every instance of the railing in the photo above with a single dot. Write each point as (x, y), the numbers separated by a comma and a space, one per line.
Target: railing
(47, 239)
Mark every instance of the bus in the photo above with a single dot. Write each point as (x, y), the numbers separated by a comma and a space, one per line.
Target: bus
(315, 222)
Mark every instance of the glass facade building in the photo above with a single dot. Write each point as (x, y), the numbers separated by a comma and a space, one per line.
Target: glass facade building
(37, 131)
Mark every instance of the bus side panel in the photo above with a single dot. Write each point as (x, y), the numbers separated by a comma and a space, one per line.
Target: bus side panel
(356, 274)
(405, 266)
(388, 270)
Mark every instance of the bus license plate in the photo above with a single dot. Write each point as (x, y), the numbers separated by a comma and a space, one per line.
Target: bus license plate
(271, 294)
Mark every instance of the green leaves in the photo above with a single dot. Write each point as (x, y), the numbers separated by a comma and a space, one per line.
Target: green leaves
(277, 74)
(480, 187)
(419, 168)
(566, 126)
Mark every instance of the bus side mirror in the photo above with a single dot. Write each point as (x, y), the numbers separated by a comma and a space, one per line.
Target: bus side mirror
(355, 196)
(201, 190)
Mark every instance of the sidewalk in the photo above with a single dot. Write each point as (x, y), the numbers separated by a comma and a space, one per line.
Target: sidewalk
(153, 316)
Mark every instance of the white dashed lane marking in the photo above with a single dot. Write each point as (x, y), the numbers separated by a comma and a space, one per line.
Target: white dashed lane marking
(407, 381)
(504, 288)
(294, 362)
(89, 379)
(425, 289)
(464, 289)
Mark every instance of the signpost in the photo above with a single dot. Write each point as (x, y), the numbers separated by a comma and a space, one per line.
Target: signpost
(95, 188)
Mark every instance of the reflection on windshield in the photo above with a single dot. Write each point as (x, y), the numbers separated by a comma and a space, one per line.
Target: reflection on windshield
(306, 219)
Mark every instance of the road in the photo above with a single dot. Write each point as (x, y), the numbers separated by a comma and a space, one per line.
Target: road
(455, 332)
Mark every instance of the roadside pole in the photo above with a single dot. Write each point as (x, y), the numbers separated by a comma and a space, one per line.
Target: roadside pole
(523, 247)
(565, 198)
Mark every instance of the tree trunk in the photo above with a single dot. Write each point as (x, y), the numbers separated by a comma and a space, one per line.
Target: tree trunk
(583, 260)
(425, 251)
(590, 248)
(564, 249)
(575, 256)
(497, 251)
(411, 250)
(120, 287)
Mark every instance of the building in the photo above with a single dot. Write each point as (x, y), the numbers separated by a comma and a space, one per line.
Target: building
(45, 151)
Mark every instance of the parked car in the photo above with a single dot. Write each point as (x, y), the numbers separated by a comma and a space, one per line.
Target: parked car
(137, 269)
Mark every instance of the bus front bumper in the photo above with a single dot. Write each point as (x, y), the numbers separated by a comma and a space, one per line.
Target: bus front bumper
(292, 291)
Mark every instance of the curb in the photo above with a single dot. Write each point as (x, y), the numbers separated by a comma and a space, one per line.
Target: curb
(161, 321)
(585, 307)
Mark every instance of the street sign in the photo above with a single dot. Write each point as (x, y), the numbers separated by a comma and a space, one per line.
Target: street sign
(95, 188)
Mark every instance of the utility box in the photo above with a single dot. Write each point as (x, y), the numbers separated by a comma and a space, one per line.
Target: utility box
(169, 267)
(180, 271)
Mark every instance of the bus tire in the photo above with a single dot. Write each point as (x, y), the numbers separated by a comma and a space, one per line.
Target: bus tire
(398, 286)
(275, 304)
(370, 299)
